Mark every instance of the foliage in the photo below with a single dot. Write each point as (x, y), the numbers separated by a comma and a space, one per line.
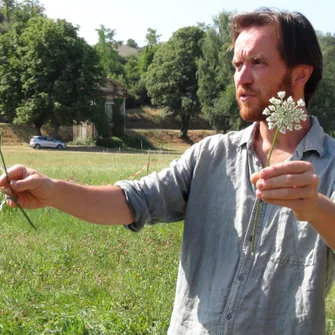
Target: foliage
(132, 43)
(136, 69)
(323, 103)
(59, 74)
(111, 62)
(152, 37)
(171, 79)
(137, 142)
(118, 118)
(215, 76)
(110, 142)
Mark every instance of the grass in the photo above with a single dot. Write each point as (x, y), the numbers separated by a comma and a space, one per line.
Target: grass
(72, 277)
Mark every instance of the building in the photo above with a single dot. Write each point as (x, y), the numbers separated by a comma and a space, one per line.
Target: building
(111, 91)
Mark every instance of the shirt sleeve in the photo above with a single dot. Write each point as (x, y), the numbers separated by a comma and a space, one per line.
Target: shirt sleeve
(160, 197)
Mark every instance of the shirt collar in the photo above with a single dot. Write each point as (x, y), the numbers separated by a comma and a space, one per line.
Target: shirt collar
(313, 141)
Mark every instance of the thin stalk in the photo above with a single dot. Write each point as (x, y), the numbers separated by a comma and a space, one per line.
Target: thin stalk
(258, 201)
(12, 196)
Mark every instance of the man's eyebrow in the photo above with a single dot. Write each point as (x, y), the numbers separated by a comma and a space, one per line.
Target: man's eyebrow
(253, 58)
(259, 58)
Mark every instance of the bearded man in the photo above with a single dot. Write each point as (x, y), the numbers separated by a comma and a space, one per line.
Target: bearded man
(224, 288)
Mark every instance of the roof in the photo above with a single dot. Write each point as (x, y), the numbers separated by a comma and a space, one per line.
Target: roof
(114, 89)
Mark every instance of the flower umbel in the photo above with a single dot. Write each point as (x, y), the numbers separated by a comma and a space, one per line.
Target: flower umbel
(285, 115)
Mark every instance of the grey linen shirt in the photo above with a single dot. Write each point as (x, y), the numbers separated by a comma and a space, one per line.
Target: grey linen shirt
(221, 287)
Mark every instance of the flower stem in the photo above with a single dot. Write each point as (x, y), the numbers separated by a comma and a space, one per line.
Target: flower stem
(258, 200)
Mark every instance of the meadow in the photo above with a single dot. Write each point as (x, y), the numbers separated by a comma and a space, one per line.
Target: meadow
(73, 277)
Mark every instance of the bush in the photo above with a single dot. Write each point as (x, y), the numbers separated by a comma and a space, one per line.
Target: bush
(137, 142)
(110, 142)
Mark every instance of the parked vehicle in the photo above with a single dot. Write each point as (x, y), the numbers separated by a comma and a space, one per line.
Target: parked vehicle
(39, 142)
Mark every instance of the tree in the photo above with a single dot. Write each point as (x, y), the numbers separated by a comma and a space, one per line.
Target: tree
(59, 74)
(111, 62)
(132, 43)
(323, 104)
(215, 77)
(10, 84)
(171, 79)
(152, 37)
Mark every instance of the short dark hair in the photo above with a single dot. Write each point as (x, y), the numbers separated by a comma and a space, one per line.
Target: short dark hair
(297, 40)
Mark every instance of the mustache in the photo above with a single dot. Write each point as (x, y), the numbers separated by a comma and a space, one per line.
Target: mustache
(241, 91)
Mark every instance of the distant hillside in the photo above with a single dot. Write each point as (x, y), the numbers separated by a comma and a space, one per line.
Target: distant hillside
(148, 118)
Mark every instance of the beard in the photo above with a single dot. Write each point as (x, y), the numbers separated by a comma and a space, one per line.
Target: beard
(254, 112)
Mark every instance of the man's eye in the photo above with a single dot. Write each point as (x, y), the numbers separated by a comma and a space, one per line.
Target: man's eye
(237, 65)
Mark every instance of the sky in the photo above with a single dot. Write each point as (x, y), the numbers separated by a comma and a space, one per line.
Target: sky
(132, 18)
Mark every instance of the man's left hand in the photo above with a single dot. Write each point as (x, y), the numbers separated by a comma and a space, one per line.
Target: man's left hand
(290, 184)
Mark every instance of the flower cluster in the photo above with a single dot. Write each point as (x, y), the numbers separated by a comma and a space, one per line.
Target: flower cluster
(285, 114)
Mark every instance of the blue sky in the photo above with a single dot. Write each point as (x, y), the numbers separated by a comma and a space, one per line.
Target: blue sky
(131, 18)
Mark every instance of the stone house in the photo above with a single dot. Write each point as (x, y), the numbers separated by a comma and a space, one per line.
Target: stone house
(111, 91)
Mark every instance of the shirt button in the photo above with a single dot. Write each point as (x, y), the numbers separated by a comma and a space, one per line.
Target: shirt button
(240, 277)
(228, 316)
(250, 238)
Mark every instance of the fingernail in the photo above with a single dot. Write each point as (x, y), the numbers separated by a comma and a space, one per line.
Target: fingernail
(13, 183)
(260, 184)
(259, 194)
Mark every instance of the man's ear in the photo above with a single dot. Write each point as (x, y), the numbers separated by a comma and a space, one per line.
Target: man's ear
(301, 74)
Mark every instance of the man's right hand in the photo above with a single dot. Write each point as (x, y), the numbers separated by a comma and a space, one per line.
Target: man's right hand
(104, 204)
(31, 188)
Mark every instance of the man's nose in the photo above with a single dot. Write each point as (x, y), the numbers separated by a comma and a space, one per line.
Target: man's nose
(243, 76)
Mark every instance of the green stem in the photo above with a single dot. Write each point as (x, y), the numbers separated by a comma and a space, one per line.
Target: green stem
(258, 201)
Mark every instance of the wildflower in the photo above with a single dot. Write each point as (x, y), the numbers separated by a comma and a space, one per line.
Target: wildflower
(283, 115)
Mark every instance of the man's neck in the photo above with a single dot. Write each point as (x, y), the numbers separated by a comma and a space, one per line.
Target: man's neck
(285, 144)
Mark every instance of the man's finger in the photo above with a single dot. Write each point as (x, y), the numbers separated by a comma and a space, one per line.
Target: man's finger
(294, 167)
(286, 193)
(15, 172)
(288, 180)
(255, 177)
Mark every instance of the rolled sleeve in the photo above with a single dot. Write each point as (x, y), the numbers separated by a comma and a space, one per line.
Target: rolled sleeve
(160, 197)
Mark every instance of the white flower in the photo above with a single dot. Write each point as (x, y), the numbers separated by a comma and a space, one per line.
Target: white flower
(281, 94)
(285, 114)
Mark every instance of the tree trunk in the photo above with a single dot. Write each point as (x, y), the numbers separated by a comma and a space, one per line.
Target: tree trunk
(38, 126)
(185, 120)
(55, 128)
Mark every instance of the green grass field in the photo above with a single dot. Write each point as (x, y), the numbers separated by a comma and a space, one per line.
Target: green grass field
(72, 277)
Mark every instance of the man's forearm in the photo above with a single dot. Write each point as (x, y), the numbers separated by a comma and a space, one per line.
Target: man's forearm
(96, 204)
(324, 221)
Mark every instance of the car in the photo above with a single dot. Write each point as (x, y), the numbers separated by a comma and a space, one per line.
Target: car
(39, 142)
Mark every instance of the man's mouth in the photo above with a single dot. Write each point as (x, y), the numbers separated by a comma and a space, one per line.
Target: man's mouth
(244, 97)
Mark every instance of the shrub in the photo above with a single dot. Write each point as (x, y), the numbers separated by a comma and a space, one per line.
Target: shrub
(137, 142)
(110, 142)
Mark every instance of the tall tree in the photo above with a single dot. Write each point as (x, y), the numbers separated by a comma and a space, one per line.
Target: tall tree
(171, 80)
(215, 76)
(59, 73)
(111, 62)
(152, 37)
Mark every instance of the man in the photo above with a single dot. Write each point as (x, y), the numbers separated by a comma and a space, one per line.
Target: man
(222, 287)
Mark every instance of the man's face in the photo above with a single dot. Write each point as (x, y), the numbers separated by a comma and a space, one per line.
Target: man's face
(260, 72)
